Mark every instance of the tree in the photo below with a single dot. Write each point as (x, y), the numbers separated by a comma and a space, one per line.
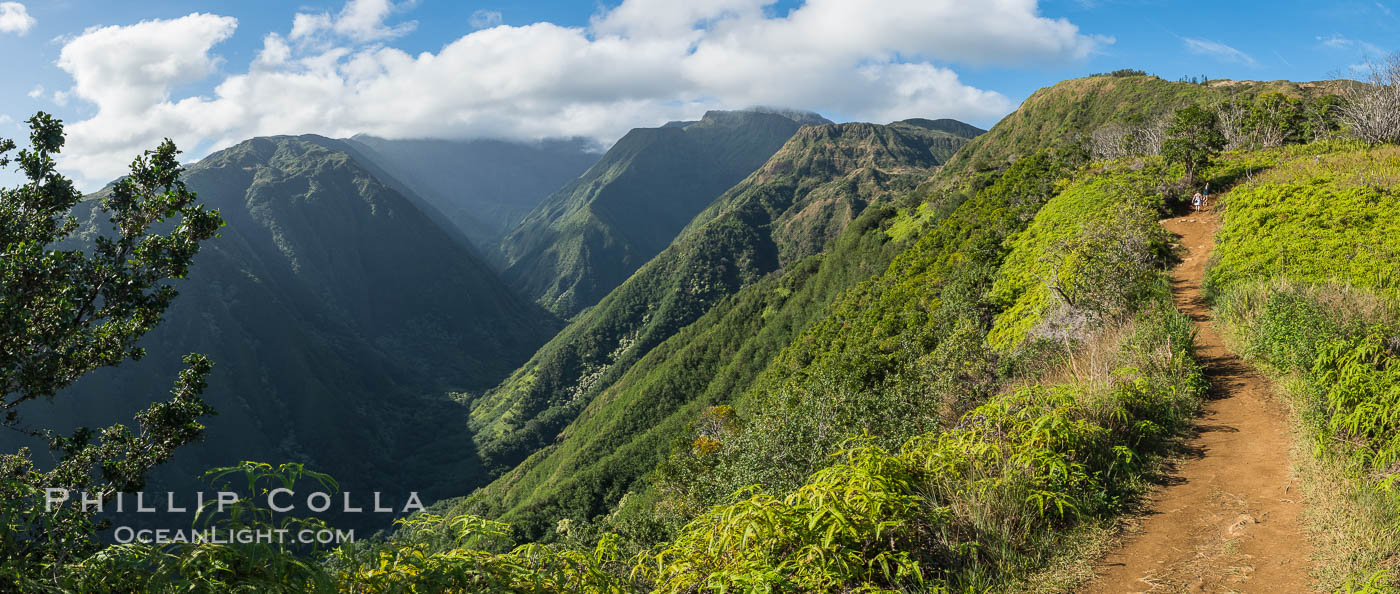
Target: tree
(66, 311)
(1372, 110)
(1275, 119)
(1323, 116)
(1231, 116)
(1193, 139)
(1109, 141)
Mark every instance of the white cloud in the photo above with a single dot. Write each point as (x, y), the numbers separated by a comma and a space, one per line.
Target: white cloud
(1219, 50)
(485, 19)
(363, 20)
(1333, 41)
(14, 18)
(1338, 42)
(359, 20)
(36, 92)
(128, 73)
(305, 25)
(640, 64)
(275, 51)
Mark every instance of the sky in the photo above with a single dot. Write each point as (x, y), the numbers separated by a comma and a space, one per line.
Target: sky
(208, 74)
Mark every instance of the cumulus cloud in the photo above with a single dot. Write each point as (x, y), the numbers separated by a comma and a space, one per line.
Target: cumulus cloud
(275, 51)
(36, 92)
(359, 20)
(14, 18)
(305, 25)
(1218, 50)
(639, 64)
(128, 73)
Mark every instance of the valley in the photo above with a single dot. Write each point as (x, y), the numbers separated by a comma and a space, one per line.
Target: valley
(765, 351)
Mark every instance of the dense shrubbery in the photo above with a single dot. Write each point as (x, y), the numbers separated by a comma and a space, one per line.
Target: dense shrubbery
(906, 353)
(869, 364)
(1319, 212)
(977, 506)
(1087, 257)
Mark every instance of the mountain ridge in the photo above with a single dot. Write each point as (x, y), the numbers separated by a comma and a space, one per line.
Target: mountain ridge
(589, 236)
(783, 215)
(338, 315)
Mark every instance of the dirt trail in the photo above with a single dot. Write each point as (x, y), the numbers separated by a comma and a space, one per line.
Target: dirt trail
(1227, 520)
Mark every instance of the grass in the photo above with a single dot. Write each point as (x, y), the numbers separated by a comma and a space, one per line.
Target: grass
(1349, 525)
(1330, 213)
(1305, 282)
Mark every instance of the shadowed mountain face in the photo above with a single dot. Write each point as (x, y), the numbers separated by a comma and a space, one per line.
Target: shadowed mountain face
(483, 187)
(345, 312)
(339, 316)
(588, 237)
(611, 381)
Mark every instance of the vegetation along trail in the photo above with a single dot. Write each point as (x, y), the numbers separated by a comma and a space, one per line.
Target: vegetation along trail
(1228, 520)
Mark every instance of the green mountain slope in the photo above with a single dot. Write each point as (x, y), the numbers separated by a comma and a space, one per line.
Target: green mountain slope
(914, 347)
(1069, 112)
(338, 316)
(484, 187)
(907, 378)
(875, 340)
(634, 395)
(588, 237)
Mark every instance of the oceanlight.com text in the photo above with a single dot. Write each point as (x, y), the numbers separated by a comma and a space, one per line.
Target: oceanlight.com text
(325, 536)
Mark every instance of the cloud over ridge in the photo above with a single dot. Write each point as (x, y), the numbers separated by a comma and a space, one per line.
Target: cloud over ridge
(641, 63)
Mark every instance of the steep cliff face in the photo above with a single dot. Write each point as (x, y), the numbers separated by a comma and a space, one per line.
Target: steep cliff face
(588, 237)
(606, 395)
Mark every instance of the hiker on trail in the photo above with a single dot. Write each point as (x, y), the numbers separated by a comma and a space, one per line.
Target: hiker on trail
(1205, 199)
(1197, 201)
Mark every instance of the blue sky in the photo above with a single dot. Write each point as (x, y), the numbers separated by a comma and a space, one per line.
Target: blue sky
(126, 74)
